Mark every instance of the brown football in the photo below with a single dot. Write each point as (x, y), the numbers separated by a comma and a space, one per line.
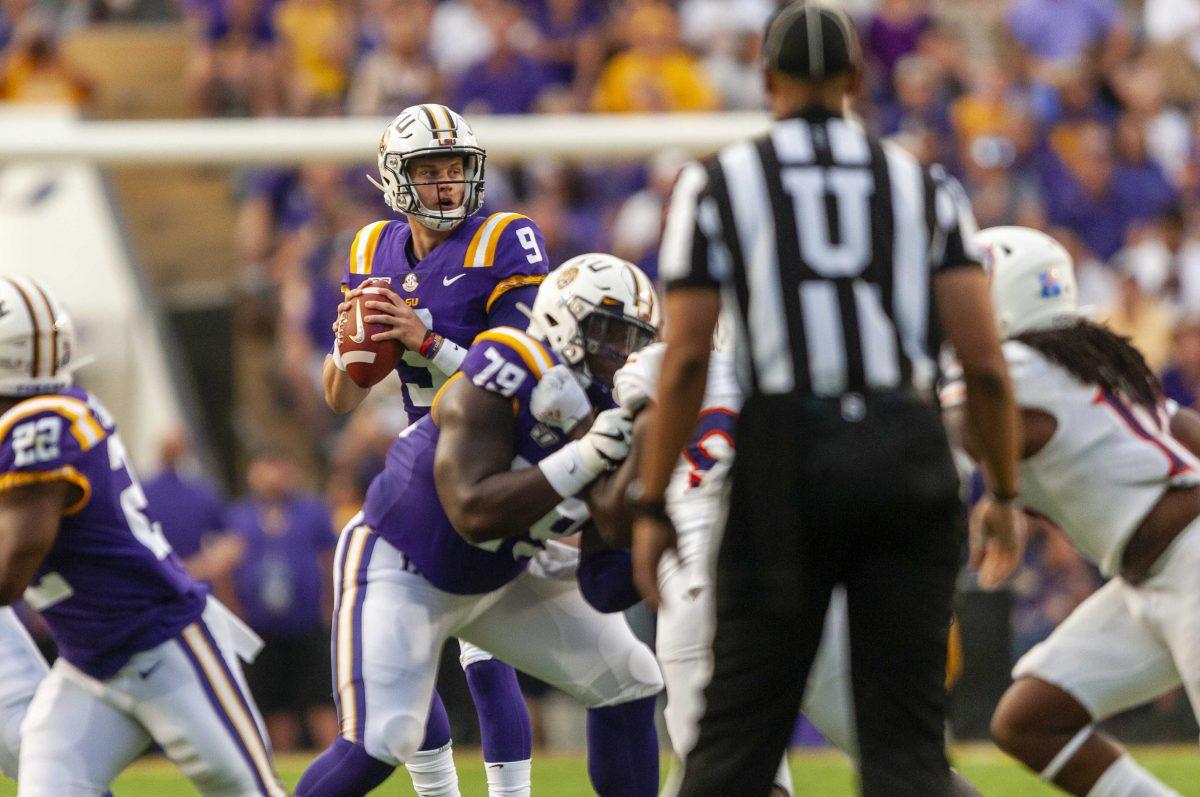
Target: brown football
(367, 361)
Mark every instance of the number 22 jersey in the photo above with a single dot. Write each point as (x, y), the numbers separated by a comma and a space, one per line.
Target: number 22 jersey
(110, 586)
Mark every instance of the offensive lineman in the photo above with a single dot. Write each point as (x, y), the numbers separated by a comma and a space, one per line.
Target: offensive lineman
(1115, 466)
(447, 529)
(452, 275)
(145, 654)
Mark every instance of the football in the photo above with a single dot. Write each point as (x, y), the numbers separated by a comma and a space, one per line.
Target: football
(367, 361)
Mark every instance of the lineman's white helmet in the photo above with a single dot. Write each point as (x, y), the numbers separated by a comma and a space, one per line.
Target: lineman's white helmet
(423, 131)
(1033, 280)
(595, 305)
(36, 339)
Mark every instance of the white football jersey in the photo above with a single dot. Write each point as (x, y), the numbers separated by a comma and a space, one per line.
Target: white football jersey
(694, 493)
(1107, 463)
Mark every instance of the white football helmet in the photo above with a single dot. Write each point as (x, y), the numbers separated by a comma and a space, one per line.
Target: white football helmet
(1033, 280)
(423, 131)
(595, 305)
(36, 339)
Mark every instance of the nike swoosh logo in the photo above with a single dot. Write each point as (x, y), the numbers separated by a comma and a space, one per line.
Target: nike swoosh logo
(147, 672)
(448, 281)
(362, 333)
(495, 766)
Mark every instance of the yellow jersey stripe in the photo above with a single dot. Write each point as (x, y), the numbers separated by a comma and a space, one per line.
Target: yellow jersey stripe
(494, 241)
(473, 258)
(66, 473)
(519, 281)
(437, 397)
(362, 251)
(482, 252)
(532, 353)
(227, 695)
(83, 425)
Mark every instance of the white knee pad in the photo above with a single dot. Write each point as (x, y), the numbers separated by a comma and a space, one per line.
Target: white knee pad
(398, 739)
(632, 673)
(469, 654)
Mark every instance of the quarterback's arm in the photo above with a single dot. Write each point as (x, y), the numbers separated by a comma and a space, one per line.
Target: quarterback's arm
(29, 519)
(483, 496)
(341, 394)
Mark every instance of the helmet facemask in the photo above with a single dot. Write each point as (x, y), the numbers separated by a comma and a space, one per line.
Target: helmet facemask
(608, 337)
(401, 190)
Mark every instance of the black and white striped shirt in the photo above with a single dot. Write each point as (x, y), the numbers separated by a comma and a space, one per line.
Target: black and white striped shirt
(824, 242)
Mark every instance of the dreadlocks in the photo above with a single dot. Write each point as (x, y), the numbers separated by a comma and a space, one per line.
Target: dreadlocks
(1098, 356)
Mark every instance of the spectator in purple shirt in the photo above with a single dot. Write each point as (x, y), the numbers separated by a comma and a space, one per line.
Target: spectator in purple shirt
(1065, 30)
(230, 70)
(508, 81)
(283, 588)
(1181, 380)
(894, 32)
(192, 518)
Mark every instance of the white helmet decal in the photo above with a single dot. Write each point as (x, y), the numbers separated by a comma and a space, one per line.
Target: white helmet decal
(1033, 279)
(593, 285)
(37, 339)
(424, 131)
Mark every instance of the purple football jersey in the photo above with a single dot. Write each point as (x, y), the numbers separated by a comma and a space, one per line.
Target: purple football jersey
(470, 282)
(402, 503)
(110, 586)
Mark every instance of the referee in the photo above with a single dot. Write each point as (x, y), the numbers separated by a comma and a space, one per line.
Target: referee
(840, 261)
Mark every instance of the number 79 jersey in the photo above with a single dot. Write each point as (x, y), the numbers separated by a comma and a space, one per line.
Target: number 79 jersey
(110, 585)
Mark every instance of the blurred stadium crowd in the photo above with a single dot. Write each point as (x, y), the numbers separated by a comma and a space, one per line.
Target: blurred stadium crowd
(1080, 117)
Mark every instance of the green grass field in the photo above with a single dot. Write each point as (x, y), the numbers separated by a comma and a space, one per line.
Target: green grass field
(816, 774)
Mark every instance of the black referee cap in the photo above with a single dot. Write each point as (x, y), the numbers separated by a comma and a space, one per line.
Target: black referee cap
(810, 40)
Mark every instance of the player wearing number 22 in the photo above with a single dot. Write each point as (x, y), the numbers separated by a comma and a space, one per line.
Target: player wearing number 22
(146, 656)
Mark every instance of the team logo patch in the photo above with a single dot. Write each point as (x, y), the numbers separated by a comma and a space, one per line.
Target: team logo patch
(410, 283)
(567, 277)
(1051, 284)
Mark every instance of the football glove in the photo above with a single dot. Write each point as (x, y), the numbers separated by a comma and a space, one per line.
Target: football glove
(559, 400)
(607, 443)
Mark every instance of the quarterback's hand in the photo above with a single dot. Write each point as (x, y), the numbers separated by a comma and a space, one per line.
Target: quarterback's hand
(558, 400)
(391, 311)
(606, 444)
(652, 537)
(997, 537)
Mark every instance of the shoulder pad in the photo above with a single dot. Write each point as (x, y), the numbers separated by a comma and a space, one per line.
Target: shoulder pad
(481, 253)
(533, 353)
(75, 414)
(362, 250)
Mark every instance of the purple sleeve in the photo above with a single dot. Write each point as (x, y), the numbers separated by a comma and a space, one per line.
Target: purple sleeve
(45, 441)
(520, 250)
(505, 361)
(606, 580)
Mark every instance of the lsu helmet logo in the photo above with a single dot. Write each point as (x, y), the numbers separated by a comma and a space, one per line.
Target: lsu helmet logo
(567, 277)
(1051, 284)
(410, 283)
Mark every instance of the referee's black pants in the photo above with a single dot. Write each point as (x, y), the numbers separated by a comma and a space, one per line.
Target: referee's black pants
(860, 492)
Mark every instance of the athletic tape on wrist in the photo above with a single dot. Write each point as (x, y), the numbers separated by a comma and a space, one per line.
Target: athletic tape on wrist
(565, 471)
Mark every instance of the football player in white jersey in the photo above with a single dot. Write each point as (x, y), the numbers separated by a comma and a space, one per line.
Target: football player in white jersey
(695, 503)
(1114, 465)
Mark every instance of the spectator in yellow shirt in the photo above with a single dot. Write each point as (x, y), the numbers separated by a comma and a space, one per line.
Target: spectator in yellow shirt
(36, 72)
(315, 37)
(656, 73)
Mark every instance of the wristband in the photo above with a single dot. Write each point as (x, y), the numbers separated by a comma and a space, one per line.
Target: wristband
(430, 342)
(338, 362)
(566, 472)
(449, 356)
